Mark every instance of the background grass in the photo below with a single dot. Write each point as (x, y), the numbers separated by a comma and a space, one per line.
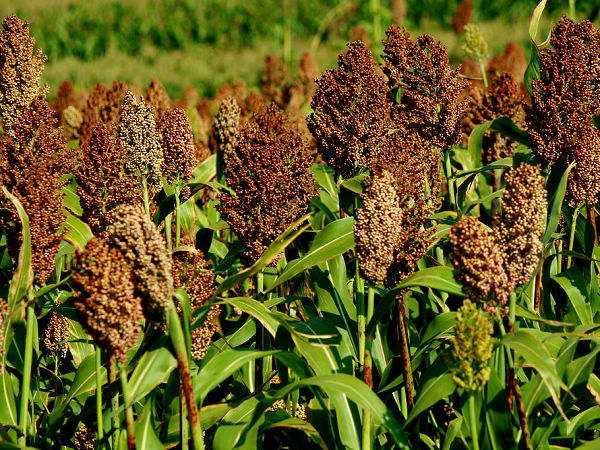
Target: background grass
(210, 42)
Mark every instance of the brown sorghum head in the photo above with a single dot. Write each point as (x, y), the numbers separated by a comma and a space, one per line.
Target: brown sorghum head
(102, 183)
(270, 175)
(462, 16)
(471, 347)
(274, 81)
(32, 161)
(479, 261)
(503, 98)
(56, 333)
(567, 96)
(430, 89)
(157, 97)
(377, 229)
(105, 298)
(103, 105)
(4, 310)
(141, 140)
(190, 272)
(20, 69)
(512, 60)
(72, 120)
(398, 10)
(143, 247)
(85, 438)
(584, 179)
(351, 112)
(178, 145)
(522, 223)
(65, 97)
(227, 128)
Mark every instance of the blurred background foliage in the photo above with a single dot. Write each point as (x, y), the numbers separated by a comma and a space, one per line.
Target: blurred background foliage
(210, 42)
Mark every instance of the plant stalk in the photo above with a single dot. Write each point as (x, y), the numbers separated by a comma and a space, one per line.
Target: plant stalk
(368, 373)
(182, 420)
(361, 310)
(177, 213)
(472, 421)
(449, 178)
(572, 235)
(26, 382)
(483, 72)
(99, 417)
(114, 402)
(406, 358)
(178, 341)
(128, 408)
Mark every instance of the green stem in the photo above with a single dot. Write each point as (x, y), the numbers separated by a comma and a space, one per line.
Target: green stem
(177, 215)
(512, 309)
(182, 421)
(99, 417)
(146, 199)
(360, 306)
(449, 178)
(572, 9)
(483, 72)
(114, 402)
(472, 421)
(26, 382)
(128, 408)
(406, 358)
(168, 233)
(368, 373)
(178, 341)
(572, 236)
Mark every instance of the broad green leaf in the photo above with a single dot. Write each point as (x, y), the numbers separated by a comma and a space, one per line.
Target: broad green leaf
(333, 240)
(297, 424)
(8, 409)
(438, 277)
(325, 177)
(357, 392)
(206, 171)
(145, 434)
(78, 233)
(267, 257)
(221, 367)
(355, 184)
(22, 279)
(152, 369)
(475, 143)
(556, 201)
(506, 127)
(85, 378)
(583, 418)
(453, 431)
(535, 20)
(432, 391)
(536, 355)
(574, 285)
(257, 310)
(439, 327)
(211, 414)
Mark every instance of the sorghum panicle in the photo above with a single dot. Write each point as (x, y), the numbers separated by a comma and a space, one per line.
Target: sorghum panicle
(480, 264)
(157, 97)
(430, 89)
(475, 45)
(227, 128)
(471, 347)
(85, 438)
(351, 114)
(102, 183)
(32, 161)
(178, 145)
(144, 249)
(567, 96)
(522, 222)
(105, 298)
(190, 273)
(21, 67)
(56, 332)
(270, 175)
(462, 16)
(503, 98)
(103, 105)
(274, 81)
(140, 138)
(377, 230)
(584, 179)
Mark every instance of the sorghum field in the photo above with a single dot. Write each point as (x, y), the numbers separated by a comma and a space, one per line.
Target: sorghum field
(395, 251)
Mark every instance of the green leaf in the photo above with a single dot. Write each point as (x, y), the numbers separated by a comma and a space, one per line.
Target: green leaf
(145, 434)
(211, 414)
(267, 257)
(506, 127)
(535, 20)
(355, 184)
(438, 277)
(296, 424)
(532, 72)
(476, 142)
(439, 327)
(221, 367)
(8, 409)
(85, 378)
(573, 283)
(257, 310)
(152, 369)
(556, 199)
(536, 355)
(433, 390)
(333, 240)
(454, 429)
(78, 233)
(22, 279)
